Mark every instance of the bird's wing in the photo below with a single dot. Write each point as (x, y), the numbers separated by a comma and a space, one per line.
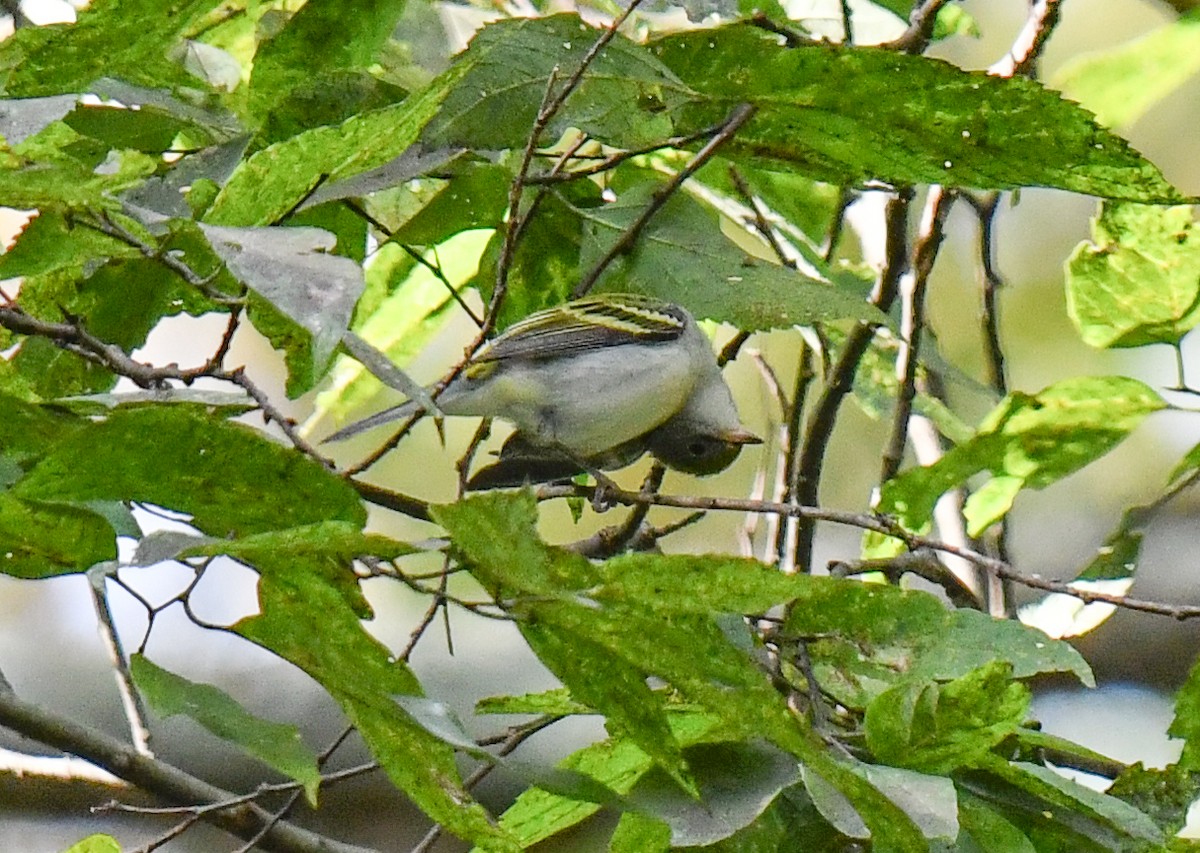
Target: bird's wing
(588, 324)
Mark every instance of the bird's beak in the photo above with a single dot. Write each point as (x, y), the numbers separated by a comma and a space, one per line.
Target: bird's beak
(741, 435)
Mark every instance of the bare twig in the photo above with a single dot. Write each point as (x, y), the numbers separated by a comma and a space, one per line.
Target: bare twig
(159, 778)
(819, 431)
(888, 527)
(920, 27)
(1029, 43)
(912, 322)
(131, 700)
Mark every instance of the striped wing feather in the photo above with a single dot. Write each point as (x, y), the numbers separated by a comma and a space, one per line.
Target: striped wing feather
(588, 324)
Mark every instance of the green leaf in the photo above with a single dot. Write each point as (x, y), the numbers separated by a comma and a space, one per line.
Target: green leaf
(302, 49)
(129, 39)
(930, 801)
(937, 728)
(1104, 820)
(683, 257)
(988, 829)
(231, 479)
(1165, 795)
(311, 618)
(494, 536)
(971, 639)
(849, 116)
(1121, 84)
(144, 129)
(274, 180)
(1028, 441)
(41, 539)
(546, 265)
(50, 241)
(556, 703)
(277, 745)
(1138, 281)
(617, 764)
(626, 99)
(637, 833)
(1186, 724)
(95, 844)
(475, 197)
(337, 540)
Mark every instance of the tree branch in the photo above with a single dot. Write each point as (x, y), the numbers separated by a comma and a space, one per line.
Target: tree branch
(170, 783)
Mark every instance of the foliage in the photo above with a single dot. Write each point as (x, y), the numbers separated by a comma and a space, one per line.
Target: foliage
(237, 162)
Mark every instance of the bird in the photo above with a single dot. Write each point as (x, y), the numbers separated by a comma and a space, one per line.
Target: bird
(594, 384)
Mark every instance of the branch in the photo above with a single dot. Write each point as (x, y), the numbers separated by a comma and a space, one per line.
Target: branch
(912, 322)
(877, 524)
(170, 783)
(1029, 43)
(841, 380)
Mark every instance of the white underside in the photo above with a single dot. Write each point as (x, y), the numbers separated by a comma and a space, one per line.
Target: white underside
(616, 394)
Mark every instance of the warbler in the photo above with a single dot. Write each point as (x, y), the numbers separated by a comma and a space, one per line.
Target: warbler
(596, 383)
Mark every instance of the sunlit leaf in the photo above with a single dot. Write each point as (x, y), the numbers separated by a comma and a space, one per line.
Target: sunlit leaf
(1138, 280)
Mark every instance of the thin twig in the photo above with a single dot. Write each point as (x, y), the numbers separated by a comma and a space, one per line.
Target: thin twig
(159, 778)
(912, 322)
(886, 526)
(820, 427)
(920, 27)
(737, 117)
(131, 700)
(1031, 41)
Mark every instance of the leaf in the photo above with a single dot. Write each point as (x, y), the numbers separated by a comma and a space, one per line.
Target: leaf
(1111, 572)
(144, 129)
(277, 745)
(626, 99)
(401, 323)
(310, 617)
(129, 39)
(1165, 795)
(95, 844)
(50, 241)
(556, 702)
(42, 539)
(1104, 820)
(736, 782)
(854, 115)
(971, 639)
(494, 536)
(1121, 84)
(293, 269)
(988, 829)
(231, 479)
(617, 764)
(938, 728)
(1186, 724)
(302, 49)
(274, 180)
(1028, 441)
(683, 257)
(929, 801)
(1138, 281)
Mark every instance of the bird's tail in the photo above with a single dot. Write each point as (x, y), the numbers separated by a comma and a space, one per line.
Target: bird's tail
(395, 413)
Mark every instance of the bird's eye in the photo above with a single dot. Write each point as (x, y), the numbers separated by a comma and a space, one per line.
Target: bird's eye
(697, 448)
